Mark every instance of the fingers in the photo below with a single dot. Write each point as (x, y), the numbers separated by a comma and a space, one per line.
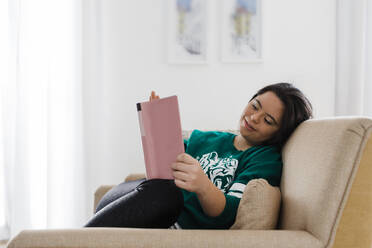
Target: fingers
(179, 175)
(181, 178)
(180, 167)
(180, 184)
(153, 96)
(184, 157)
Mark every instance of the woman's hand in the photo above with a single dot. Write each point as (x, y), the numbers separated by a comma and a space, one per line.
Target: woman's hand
(189, 175)
(153, 96)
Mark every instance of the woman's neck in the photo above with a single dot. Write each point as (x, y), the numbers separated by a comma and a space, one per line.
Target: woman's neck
(240, 143)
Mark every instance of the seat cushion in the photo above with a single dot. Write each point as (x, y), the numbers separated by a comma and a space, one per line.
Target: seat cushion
(259, 207)
(162, 238)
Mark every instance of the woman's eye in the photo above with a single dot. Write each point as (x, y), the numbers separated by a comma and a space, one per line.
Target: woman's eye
(268, 122)
(254, 107)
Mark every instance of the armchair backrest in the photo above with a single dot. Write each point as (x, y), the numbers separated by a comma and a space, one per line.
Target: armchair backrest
(327, 181)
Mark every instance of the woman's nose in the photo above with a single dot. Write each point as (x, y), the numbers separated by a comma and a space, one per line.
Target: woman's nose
(255, 117)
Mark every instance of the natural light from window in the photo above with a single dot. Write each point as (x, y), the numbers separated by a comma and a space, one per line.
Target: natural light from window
(4, 41)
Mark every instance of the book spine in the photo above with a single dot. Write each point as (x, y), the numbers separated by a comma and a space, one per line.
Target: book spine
(139, 110)
(144, 140)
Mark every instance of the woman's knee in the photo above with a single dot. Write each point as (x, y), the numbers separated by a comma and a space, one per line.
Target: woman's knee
(117, 192)
(162, 190)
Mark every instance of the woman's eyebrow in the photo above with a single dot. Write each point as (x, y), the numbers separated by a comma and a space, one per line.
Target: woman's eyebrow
(259, 103)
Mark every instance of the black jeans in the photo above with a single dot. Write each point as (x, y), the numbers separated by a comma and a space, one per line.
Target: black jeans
(154, 203)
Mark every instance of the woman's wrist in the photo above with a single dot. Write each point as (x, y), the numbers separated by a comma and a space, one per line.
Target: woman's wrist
(205, 187)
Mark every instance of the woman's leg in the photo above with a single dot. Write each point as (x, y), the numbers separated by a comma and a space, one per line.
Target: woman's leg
(117, 192)
(154, 203)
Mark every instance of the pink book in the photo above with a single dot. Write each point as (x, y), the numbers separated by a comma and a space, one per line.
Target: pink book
(161, 134)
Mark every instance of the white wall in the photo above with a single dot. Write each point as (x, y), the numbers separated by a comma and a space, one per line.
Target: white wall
(125, 58)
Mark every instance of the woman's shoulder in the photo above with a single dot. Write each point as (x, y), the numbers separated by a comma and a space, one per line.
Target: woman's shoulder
(265, 152)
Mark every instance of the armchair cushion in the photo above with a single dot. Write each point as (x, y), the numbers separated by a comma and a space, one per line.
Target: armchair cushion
(259, 207)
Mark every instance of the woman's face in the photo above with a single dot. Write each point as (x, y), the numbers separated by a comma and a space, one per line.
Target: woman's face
(261, 118)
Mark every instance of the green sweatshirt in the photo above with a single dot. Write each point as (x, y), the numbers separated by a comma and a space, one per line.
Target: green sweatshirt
(230, 170)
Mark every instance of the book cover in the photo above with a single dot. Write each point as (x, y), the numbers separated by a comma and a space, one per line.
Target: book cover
(161, 135)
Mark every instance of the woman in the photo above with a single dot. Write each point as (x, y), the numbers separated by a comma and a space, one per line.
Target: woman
(211, 175)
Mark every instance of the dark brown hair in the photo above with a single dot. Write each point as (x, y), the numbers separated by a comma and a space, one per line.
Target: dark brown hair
(297, 108)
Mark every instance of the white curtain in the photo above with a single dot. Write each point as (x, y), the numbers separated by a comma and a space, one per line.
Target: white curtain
(41, 137)
(4, 44)
(354, 57)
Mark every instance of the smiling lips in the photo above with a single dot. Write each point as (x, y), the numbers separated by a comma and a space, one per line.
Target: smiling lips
(249, 127)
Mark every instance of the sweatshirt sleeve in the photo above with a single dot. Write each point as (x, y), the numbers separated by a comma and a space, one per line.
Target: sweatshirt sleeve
(226, 219)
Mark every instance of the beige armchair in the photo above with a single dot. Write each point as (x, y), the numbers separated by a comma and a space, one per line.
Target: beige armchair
(326, 200)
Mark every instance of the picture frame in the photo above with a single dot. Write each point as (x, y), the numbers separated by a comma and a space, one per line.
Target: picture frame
(241, 31)
(187, 32)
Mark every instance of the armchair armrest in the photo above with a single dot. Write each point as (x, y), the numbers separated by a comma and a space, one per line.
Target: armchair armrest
(134, 176)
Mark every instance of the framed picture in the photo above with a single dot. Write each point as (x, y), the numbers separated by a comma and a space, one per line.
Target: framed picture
(187, 32)
(241, 31)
